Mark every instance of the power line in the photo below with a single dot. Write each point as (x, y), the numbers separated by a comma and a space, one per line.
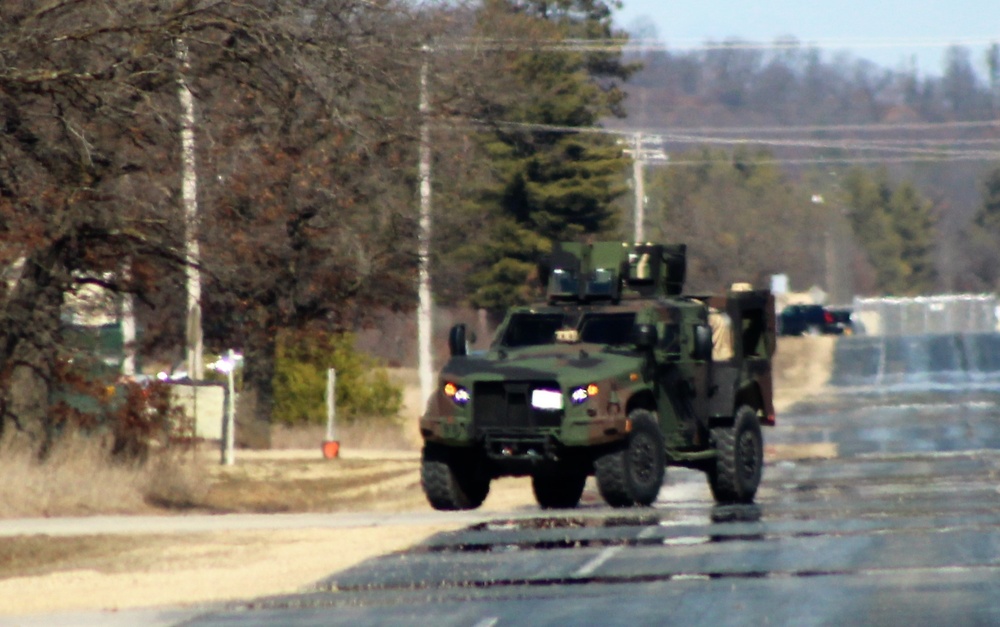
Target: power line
(863, 128)
(874, 127)
(913, 151)
(690, 45)
(846, 160)
(818, 144)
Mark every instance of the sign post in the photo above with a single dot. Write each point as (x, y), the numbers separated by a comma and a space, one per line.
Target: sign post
(331, 446)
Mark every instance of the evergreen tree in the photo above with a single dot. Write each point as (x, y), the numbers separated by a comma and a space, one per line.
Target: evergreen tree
(896, 228)
(982, 238)
(988, 215)
(868, 197)
(550, 183)
(913, 220)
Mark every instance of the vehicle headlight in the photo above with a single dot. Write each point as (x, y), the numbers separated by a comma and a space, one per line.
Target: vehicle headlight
(550, 400)
(457, 393)
(581, 394)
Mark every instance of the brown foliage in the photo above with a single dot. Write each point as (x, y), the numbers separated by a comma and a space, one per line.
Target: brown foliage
(297, 123)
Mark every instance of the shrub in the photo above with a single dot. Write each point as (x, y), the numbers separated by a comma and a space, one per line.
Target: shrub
(363, 388)
(94, 402)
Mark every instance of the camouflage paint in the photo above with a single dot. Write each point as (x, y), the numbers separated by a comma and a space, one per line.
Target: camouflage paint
(688, 395)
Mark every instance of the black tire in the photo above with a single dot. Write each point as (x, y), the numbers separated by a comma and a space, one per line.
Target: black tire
(632, 472)
(453, 479)
(739, 462)
(558, 488)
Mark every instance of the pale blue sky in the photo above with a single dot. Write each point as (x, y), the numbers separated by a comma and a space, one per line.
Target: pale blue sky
(888, 32)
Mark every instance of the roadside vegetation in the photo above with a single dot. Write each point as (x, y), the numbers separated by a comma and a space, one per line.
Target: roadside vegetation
(79, 478)
(307, 138)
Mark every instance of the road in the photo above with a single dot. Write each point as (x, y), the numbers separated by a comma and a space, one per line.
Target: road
(900, 526)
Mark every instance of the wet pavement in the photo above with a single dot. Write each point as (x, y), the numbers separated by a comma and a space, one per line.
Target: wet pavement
(902, 526)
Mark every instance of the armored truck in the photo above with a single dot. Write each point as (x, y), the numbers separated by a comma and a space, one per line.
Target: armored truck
(616, 375)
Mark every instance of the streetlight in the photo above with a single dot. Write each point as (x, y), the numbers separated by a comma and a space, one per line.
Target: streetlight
(829, 261)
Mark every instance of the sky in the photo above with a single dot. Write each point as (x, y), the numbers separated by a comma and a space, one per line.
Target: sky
(890, 33)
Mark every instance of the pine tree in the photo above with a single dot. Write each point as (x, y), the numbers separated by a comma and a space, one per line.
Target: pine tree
(982, 238)
(896, 228)
(988, 215)
(549, 183)
(869, 199)
(913, 219)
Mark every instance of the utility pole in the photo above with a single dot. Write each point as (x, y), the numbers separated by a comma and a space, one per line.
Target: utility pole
(189, 196)
(829, 253)
(424, 321)
(127, 324)
(639, 233)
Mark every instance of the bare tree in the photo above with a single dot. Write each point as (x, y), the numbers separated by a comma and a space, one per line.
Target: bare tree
(84, 153)
(294, 97)
(308, 214)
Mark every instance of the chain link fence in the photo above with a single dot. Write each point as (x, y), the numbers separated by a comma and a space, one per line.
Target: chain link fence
(926, 315)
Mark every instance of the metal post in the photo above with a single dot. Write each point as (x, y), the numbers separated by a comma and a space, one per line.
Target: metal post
(831, 263)
(331, 405)
(228, 454)
(127, 322)
(424, 320)
(640, 190)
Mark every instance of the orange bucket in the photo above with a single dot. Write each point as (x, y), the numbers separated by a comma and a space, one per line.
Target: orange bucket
(331, 449)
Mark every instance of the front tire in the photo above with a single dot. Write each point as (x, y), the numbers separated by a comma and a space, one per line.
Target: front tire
(631, 473)
(452, 478)
(558, 488)
(739, 462)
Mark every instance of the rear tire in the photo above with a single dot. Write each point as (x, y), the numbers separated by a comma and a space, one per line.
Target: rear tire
(453, 478)
(739, 462)
(631, 473)
(558, 488)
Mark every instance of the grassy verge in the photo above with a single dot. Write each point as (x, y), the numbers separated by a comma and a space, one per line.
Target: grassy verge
(78, 479)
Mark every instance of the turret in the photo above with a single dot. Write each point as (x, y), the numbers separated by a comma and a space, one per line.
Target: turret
(657, 269)
(577, 272)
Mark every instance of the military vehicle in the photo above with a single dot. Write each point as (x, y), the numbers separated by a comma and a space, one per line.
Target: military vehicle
(617, 375)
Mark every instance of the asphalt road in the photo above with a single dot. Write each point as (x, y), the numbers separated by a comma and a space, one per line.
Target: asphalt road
(902, 527)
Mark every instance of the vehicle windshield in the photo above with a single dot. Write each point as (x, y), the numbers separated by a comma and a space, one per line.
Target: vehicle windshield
(531, 329)
(607, 328)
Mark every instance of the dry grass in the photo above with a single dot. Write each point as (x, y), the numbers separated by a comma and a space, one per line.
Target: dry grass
(314, 485)
(380, 435)
(78, 479)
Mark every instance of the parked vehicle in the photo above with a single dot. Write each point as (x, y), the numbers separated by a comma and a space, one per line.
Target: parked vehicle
(844, 318)
(617, 375)
(812, 320)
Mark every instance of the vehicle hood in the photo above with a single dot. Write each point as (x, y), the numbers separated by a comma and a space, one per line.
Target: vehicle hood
(567, 363)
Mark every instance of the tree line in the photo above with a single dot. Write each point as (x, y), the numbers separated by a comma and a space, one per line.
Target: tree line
(307, 136)
(933, 136)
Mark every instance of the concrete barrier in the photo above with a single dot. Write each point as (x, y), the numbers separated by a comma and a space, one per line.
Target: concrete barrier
(916, 359)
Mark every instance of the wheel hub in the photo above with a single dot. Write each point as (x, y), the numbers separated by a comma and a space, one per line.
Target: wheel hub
(642, 459)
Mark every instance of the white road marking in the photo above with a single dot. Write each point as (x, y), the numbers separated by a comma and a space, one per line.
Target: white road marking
(588, 568)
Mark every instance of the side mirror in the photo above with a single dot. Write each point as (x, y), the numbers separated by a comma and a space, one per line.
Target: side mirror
(702, 342)
(644, 336)
(457, 341)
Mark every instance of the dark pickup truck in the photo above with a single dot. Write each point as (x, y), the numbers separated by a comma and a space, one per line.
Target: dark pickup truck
(813, 320)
